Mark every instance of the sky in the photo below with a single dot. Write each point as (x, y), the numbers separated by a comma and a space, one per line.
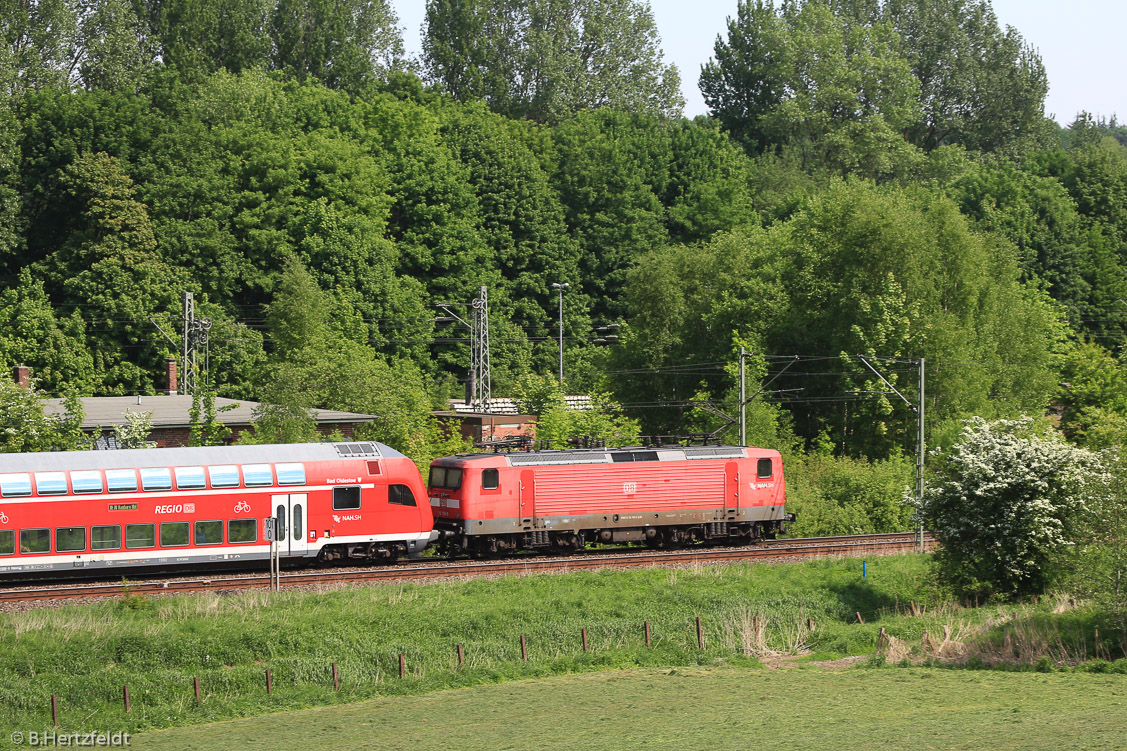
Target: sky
(1078, 42)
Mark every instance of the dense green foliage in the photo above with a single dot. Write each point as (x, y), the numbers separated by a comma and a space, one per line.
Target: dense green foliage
(876, 183)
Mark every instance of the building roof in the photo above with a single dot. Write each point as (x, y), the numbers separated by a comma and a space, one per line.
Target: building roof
(174, 411)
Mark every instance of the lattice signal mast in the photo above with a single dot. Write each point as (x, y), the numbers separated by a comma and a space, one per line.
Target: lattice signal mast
(481, 377)
(194, 341)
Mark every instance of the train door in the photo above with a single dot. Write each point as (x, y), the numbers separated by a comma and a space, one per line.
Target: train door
(290, 512)
(732, 487)
(527, 496)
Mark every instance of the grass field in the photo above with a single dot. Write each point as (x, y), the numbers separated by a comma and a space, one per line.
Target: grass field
(708, 708)
(85, 654)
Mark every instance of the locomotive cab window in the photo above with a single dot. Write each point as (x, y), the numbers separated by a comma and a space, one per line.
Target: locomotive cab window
(400, 495)
(140, 536)
(7, 541)
(490, 479)
(448, 478)
(209, 533)
(70, 539)
(346, 499)
(763, 469)
(105, 538)
(35, 541)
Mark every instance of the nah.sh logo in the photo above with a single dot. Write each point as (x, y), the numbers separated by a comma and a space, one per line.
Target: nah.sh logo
(336, 518)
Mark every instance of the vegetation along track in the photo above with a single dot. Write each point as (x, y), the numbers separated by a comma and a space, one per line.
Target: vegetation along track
(852, 545)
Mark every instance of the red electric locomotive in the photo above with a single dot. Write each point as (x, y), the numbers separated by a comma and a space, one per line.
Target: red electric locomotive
(68, 512)
(665, 497)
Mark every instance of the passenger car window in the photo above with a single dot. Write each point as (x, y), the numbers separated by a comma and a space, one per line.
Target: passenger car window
(50, 483)
(15, 484)
(70, 539)
(140, 536)
(224, 476)
(35, 541)
(173, 534)
(156, 478)
(7, 541)
(121, 480)
(242, 530)
(209, 533)
(105, 538)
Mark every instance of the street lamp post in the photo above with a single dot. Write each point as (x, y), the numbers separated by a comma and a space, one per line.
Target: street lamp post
(560, 287)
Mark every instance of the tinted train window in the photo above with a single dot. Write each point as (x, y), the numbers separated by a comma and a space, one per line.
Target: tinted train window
(35, 541)
(50, 483)
(7, 541)
(70, 539)
(224, 476)
(297, 530)
(449, 478)
(255, 475)
(346, 499)
(105, 538)
(290, 474)
(15, 485)
(121, 480)
(242, 530)
(189, 478)
(209, 533)
(400, 495)
(140, 536)
(764, 468)
(173, 534)
(490, 479)
(156, 478)
(86, 481)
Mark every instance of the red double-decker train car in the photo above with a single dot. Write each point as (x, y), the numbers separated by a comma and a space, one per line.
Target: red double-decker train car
(77, 511)
(665, 497)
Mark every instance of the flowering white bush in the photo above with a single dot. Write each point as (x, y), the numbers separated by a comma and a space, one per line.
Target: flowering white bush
(1005, 505)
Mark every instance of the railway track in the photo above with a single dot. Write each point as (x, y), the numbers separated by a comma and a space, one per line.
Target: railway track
(855, 545)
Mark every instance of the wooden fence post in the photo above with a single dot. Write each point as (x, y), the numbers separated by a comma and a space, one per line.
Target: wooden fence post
(523, 649)
(196, 688)
(700, 635)
(336, 678)
(647, 625)
(54, 710)
(860, 619)
(402, 665)
(583, 632)
(461, 656)
(269, 683)
(125, 698)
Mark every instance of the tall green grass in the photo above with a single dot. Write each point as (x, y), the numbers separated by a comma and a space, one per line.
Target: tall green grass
(85, 654)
